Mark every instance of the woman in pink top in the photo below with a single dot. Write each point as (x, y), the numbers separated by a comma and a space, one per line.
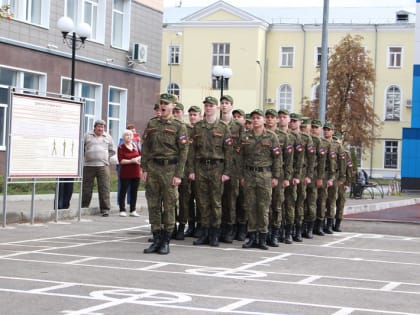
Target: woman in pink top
(129, 157)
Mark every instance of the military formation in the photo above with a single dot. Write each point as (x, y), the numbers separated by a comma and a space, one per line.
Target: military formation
(263, 178)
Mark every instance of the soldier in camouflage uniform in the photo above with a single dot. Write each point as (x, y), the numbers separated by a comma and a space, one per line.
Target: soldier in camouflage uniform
(165, 149)
(320, 151)
(276, 209)
(210, 165)
(261, 169)
(231, 187)
(307, 173)
(341, 199)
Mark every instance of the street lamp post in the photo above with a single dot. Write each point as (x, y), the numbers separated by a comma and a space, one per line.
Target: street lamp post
(222, 74)
(171, 61)
(74, 39)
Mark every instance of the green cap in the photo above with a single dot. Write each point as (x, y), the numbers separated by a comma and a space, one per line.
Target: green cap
(228, 98)
(239, 111)
(305, 121)
(179, 106)
(258, 112)
(248, 117)
(167, 98)
(211, 99)
(337, 135)
(194, 109)
(271, 112)
(295, 116)
(316, 122)
(283, 111)
(328, 125)
(156, 106)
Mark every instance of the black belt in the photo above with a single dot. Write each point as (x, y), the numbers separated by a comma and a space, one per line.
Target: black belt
(258, 169)
(211, 161)
(165, 161)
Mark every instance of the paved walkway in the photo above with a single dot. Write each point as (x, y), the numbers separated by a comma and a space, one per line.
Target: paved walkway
(404, 208)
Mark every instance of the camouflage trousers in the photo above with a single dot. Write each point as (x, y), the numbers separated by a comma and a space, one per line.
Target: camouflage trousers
(321, 202)
(341, 200)
(229, 199)
(184, 191)
(159, 189)
(276, 209)
(258, 192)
(209, 189)
(309, 214)
(331, 201)
(289, 204)
(241, 216)
(300, 202)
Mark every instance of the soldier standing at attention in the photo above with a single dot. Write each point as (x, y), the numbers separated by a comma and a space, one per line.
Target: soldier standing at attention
(261, 169)
(165, 149)
(210, 165)
(341, 198)
(231, 187)
(276, 211)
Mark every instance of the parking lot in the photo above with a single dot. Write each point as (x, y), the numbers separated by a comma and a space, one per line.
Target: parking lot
(97, 266)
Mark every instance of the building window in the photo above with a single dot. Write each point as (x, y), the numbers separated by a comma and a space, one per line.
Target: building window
(31, 11)
(391, 154)
(117, 111)
(91, 94)
(91, 12)
(120, 23)
(174, 89)
(318, 55)
(394, 57)
(174, 55)
(284, 97)
(24, 81)
(393, 103)
(286, 56)
(220, 57)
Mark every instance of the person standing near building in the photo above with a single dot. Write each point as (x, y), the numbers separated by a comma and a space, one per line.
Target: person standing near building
(129, 158)
(98, 149)
(165, 149)
(210, 165)
(261, 169)
(231, 187)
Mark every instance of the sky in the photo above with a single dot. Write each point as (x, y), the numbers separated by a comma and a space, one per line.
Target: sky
(294, 3)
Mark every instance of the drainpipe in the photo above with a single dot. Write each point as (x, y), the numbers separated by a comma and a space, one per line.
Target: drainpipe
(302, 92)
(374, 100)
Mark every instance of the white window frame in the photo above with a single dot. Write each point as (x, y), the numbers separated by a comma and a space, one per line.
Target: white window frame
(3, 123)
(318, 55)
(220, 59)
(393, 153)
(90, 118)
(122, 112)
(287, 59)
(98, 30)
(20, 9)
(174, 54)
(396, 108)
(392, 57)
(281, 97)
(126, 17)
(173, 88)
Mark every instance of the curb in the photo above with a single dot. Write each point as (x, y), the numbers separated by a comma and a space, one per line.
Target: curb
(351, 209)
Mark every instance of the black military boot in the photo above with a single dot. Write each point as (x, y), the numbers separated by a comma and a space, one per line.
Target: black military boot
(198, 231)
(274, 238)
(252, 241)
(180, 232)
(241, 233)
(336, 227)
(173, 235)
(190, 231)
(214, 236)
(281, 233)
(309, 229)
(262, 244)
(288, 234)
(318, 228)
(298, 233)
(328, 227)
(203, 239)
(164, 246)
(154, 247)
(228, 234)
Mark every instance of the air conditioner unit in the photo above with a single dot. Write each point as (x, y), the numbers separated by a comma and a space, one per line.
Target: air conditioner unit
(140, 53)
(269, 100)
(408, 103)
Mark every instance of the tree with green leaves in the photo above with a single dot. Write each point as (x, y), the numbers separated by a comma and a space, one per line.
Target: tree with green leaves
(350, 83)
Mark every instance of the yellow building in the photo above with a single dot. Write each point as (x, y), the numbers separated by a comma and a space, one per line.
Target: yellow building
(274, 55)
